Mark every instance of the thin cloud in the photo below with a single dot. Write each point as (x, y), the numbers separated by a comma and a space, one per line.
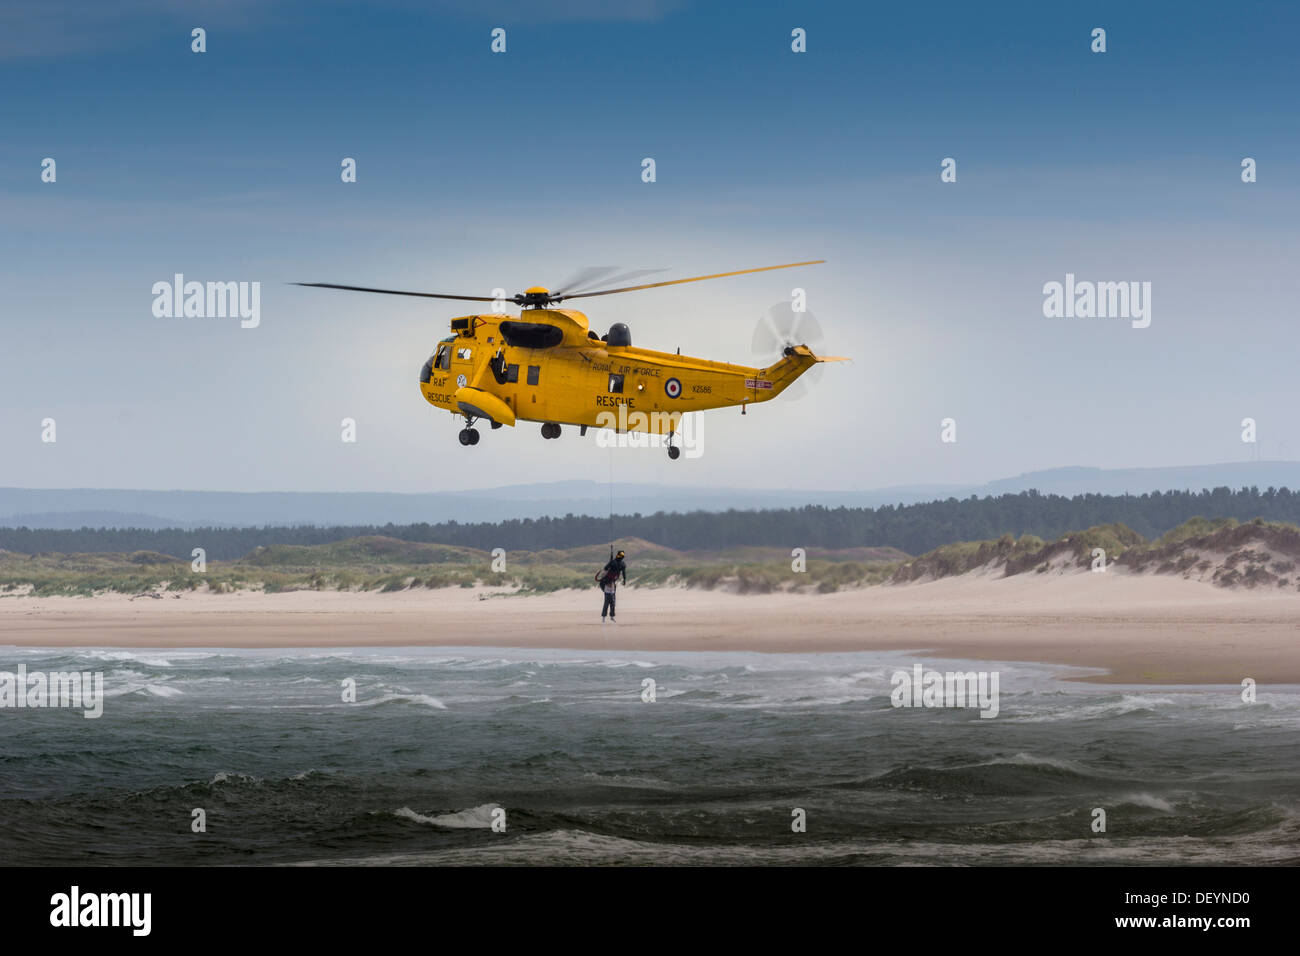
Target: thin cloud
(64, 28)
(559, 11)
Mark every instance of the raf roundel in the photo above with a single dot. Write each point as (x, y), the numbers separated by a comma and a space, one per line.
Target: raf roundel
(673, 388)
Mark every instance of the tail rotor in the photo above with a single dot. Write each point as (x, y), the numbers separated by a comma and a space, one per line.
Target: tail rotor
(781, 327)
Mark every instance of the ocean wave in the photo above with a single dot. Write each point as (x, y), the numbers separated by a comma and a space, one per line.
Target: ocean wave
(687, 695)
(567, 845)
(466, 663)
(630, 781)
(858, 677)
(222, 776)
(993, 777)
(1147, 800)
(422, 699)
(1031, 760)
(150, 660)
(127, 675)
(1081, 708)
(152, 690)
(475, 818)
(608, 663)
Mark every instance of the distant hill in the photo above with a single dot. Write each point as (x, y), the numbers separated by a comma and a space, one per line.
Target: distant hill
(1224, 552)
(1136, 481)
(913, 529)
(114, 508)
(111, 508)
(382, 563)
(71, 520)
(1255, 555)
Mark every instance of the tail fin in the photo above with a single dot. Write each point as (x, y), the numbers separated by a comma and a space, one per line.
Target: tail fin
(775, 379)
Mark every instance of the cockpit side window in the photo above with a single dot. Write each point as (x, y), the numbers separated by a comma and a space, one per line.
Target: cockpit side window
(443, 361)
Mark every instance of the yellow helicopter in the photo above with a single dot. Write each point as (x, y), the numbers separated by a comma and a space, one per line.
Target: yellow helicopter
(547, 365)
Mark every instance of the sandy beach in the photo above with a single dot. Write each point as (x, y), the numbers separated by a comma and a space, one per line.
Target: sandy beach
(1140, 628)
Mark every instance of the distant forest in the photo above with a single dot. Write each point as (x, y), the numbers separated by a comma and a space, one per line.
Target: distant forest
(913, 528)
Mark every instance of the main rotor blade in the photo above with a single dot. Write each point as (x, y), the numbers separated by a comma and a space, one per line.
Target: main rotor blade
(422, 295)
(598, 274)
(583, 278)
(719, 275)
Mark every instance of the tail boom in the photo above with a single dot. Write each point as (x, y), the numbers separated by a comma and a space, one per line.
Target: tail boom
(775, 379)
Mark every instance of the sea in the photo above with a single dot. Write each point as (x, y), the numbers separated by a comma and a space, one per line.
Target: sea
(461, 756)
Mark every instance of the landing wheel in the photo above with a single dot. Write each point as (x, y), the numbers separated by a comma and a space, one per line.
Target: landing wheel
(673, 451)
(468, 436)
(550, 430)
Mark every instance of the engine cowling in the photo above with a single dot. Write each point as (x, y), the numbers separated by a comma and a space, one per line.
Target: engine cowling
(531, 335)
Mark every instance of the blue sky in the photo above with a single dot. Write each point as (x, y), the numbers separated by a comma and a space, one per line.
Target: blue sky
(478, 170)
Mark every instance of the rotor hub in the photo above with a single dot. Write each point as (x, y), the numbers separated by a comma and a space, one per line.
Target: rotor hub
(537, 297)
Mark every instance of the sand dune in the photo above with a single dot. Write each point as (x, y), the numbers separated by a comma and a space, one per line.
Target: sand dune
(1141, 628)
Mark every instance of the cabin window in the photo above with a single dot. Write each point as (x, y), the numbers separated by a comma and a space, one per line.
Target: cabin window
(464, 354)
(615, 383)
(443, 361)
(512, 373)
(533, 372)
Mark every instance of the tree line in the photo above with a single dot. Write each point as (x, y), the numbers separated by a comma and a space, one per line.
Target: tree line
(914, 528)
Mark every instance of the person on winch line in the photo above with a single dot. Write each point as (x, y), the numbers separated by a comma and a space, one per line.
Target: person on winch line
(608, 581)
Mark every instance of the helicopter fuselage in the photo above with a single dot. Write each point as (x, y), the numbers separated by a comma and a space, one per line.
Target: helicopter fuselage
(546, 365)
